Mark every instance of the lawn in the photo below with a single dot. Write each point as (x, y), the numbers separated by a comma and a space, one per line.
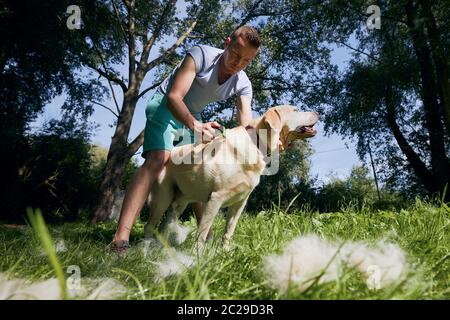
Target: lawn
(422, 232)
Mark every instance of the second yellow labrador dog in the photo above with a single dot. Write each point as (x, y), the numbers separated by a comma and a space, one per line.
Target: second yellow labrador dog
(223, 172)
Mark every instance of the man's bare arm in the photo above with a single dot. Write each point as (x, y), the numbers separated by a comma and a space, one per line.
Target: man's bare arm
(183, 80)
(182, 83)
(244, 110)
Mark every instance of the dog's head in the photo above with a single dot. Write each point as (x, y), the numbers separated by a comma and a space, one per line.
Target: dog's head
(286, 124)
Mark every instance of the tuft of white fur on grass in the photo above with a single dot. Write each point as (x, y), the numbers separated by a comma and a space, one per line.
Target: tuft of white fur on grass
(309, 258)
(176, 233)
(302, 260)
(60, 246)
(173, 233)
(150, 245)
(104, 289)
(91, 289)
(381, 265)
(175, 263)
(19, 289)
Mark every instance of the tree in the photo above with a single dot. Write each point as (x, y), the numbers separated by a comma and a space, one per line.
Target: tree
(393, 95)
(39, 60)
(358, 189)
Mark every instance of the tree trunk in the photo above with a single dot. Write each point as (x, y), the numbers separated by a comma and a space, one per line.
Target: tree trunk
(440, 164)
(414, 161)
(118, 156)
(440, 63)
(109, 187)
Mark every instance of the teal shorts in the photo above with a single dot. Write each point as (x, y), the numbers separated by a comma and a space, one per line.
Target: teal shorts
(162, 130)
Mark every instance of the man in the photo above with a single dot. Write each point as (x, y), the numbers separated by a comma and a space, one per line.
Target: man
(206, 75)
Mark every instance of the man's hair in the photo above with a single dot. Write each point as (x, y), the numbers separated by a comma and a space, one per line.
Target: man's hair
(249, 34)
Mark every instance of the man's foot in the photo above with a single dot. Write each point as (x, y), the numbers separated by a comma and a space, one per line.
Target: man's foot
(119, 246)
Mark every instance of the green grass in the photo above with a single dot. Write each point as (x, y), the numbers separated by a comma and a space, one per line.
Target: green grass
(422, 231)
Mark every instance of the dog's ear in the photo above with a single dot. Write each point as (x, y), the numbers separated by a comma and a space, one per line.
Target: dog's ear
(272, 120)
(272, 123)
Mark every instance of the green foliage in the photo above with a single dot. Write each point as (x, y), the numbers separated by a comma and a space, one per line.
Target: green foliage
(292, 187)
(359, 191)
(291, 179)
(40, 59)
(56, 176)
(61, 175)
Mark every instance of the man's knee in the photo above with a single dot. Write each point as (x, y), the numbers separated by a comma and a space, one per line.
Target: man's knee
(156, 160)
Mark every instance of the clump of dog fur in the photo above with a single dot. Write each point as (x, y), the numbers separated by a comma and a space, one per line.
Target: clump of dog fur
(310, 259)
(90, 289)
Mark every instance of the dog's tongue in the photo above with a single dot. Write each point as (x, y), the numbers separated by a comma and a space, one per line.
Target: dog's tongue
(306, 129)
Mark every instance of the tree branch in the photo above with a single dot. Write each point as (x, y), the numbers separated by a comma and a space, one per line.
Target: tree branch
(108, 76)
(109, 109)
(357, 50)
(135, 144)
(177, 43)
(288, 86)
(413, 158)
(149, 88)
(127, 3)
(121, 23)
(250, 14)
(109, 82)
(151, 41)
(278, 88)
(274, 79)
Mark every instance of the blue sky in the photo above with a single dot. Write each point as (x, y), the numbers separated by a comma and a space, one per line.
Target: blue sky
(334, 155)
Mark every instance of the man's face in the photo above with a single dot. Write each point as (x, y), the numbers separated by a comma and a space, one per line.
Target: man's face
(237, 55)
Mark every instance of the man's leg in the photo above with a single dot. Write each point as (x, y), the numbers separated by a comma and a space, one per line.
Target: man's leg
(138, 191)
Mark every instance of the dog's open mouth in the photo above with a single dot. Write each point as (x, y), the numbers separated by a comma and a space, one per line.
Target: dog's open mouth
(303, 132)
(300, 132)
(306, 129)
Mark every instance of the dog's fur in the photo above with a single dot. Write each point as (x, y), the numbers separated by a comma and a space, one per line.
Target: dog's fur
(224, 184)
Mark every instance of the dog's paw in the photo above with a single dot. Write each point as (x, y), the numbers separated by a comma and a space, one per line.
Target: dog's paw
(226, 246)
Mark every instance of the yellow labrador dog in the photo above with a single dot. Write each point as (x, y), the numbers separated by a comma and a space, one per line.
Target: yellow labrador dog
(223, 172)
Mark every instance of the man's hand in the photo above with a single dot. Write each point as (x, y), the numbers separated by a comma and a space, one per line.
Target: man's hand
(206, 130)
(280, 145)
